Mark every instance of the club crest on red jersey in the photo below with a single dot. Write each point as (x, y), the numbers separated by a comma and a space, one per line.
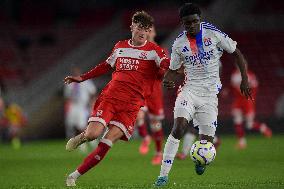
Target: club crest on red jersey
(143, 55)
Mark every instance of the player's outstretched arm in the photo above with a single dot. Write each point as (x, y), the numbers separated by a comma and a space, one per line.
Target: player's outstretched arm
(241, 63)
(99, 70)
(71, 79)
(169, 79)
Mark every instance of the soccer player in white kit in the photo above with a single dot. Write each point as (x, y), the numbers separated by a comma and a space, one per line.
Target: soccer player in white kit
(77, 104)
(198, 49)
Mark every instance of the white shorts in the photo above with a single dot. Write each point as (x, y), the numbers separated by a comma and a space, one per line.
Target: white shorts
(77, 117)
(202, 109)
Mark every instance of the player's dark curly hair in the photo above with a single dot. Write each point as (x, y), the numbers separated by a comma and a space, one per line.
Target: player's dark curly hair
(143, 19)
(189, 9)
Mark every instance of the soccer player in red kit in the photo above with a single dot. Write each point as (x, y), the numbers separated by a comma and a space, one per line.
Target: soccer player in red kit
(136, 63)
(243, 109)
(155, 110)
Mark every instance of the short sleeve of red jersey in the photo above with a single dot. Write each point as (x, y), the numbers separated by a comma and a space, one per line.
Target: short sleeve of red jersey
(162, 59)
(113, 56)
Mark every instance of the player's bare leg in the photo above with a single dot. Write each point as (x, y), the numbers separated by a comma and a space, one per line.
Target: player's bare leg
(170, 150)
(93, 131)
(97, 155)
(157, 134)
(142, 130)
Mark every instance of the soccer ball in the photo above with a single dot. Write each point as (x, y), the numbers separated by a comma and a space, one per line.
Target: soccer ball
(203, 152)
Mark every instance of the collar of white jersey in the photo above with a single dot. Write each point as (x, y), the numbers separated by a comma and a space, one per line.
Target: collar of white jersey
(129, 43)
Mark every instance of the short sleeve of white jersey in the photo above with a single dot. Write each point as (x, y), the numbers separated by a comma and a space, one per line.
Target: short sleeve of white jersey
(225, 42)
(176, 59)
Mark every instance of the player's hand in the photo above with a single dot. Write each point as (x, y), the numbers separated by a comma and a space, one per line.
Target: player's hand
(245, 89)
(71, 79)
(169, 84)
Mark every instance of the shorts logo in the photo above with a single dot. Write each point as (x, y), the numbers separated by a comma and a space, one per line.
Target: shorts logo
(99, 113)
(143, 55)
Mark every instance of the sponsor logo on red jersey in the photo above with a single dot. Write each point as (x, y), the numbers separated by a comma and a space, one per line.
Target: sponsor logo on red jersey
(128, 64)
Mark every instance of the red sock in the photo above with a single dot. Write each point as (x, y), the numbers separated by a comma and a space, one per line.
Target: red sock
(158, 137)
(256, 126)
(239, 130)
(142, 130)
(95, 157)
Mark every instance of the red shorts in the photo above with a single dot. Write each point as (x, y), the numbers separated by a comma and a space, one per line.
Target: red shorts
(117, 113)
(246, 106)
(155, 103)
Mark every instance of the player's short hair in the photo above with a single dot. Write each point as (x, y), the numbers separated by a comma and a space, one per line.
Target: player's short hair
(189, 9)
(143, 19)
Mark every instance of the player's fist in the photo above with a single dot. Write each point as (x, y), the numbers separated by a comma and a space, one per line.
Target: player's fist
(169, 84)
(71, 79)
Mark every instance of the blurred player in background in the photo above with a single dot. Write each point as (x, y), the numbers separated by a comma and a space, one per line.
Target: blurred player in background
(78, 99)
(136, 63)
(16, 121)
(243, 110)
(155, 110)
(197, 49)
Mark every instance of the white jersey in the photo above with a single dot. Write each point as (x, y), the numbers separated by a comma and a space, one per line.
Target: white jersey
(79, 94)
(200, 57)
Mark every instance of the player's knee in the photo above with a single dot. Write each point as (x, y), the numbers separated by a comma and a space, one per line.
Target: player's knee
(237, 117)
(249, 124)
(179, 127)
(114, 134)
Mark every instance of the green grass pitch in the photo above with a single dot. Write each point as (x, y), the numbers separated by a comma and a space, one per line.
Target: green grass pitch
(45, 164)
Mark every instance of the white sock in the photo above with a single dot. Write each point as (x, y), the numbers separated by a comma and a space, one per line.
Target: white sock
(187, 142)
(75, 174)
(170, 151)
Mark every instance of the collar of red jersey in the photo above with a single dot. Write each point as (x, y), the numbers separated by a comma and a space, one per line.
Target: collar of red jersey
(129, 43)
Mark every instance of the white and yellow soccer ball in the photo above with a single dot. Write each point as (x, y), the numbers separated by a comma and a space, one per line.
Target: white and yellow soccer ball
(203, 152)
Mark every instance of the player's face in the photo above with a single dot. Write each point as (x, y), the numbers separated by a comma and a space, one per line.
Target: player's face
(191, 24)
(139, 34)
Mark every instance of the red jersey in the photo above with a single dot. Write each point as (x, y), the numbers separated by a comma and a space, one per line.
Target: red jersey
(136, 70)
(236, 79)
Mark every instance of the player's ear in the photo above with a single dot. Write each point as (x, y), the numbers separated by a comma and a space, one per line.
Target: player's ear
(131, 27)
